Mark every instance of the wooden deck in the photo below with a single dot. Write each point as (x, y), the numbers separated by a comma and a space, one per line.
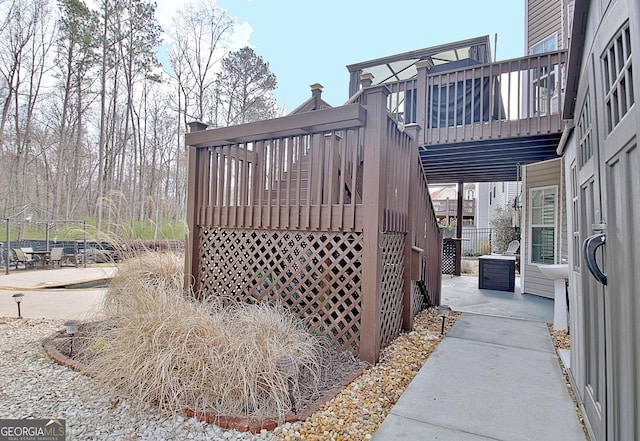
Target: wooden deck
(328, 211)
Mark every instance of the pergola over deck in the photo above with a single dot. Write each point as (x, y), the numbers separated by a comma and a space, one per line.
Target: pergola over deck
(401, 67)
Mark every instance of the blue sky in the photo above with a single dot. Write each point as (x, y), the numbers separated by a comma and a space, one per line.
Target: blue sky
(307, 42)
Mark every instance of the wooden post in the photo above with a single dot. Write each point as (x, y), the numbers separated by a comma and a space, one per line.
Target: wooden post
(316, 94)
(411, 257)
(366, 80)
(373, 200)
(195, 193)
(421, 98)
(459, 216)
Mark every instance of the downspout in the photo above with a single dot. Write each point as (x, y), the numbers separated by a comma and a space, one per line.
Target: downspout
(568, 127)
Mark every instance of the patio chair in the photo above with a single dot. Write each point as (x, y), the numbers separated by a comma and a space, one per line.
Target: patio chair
(513, 250)
(23, 258)
(12, 258)
(55, 257)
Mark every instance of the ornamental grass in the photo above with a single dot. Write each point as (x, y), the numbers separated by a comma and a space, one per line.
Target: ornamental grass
(161, 346)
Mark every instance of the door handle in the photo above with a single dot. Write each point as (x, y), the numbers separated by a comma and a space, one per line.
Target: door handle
(591, 244)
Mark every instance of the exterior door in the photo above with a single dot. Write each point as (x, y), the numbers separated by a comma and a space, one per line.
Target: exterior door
(586, 221)
(620, 186)
(593, 292)
(609, 182)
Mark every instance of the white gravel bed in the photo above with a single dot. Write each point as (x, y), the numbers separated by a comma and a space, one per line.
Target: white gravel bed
(34, 386)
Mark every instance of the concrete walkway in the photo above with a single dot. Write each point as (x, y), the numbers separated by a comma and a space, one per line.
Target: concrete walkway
(493, 377)
(463, 295)
(45, 297)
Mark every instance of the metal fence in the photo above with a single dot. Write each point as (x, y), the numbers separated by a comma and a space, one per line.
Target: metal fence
(481, 241)
(477, 241)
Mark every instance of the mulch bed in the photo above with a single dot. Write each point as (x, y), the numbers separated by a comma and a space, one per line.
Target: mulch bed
(337, 371)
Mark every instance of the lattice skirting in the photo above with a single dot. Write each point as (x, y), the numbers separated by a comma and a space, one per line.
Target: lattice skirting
(448, 257)
(316, 274)
(417, 298)
(391, 287)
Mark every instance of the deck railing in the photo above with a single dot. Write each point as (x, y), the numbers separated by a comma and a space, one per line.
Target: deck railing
(512, 98)
(276, 175)
(327, 212)
(449, 207)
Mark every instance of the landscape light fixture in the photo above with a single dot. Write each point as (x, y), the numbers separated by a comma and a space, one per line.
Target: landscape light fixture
(444, 313)
(71, 327)
(18, 298)
(287, 365)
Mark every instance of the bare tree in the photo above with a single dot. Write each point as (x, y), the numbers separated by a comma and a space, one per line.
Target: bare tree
(244, 87)
(130, 34)
(85, 114)
(199, 41)
(136, 50)
(76, 60)
(26, 36)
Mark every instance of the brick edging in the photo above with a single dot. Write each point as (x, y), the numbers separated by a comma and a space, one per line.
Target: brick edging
(242, 424)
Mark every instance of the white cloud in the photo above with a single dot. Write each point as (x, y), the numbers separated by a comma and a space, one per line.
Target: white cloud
(241, 35)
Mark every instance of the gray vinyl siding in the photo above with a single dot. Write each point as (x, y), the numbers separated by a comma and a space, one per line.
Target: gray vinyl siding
(544, 18)
(512, 191)
(542, 174)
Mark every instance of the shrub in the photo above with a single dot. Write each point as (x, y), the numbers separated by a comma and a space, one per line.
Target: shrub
(503, 230)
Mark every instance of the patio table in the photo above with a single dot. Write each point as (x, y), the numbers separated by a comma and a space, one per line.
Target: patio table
(43, 257)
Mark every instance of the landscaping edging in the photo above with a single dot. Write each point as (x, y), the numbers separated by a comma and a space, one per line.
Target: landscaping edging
(242, 424)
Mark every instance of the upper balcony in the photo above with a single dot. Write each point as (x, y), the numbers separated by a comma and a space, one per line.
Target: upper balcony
(480, 120)
(449, 207)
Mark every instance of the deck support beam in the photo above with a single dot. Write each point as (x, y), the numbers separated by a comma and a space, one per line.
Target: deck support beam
(459, 217)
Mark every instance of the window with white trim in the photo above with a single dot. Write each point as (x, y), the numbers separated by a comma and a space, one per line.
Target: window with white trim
(549, 44)
(618, 78)
(543, 208)
(585, 136)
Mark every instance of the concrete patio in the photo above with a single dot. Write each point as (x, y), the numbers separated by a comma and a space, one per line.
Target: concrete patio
(495, 375)
(45, 296)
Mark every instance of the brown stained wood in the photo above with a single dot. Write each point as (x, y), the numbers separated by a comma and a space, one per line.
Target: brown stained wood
(500, 119)
(335, 209)
(373, 203)
(304, 282)
(336, 118)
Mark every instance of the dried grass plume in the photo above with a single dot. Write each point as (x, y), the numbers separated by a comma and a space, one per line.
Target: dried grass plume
(163, 347)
